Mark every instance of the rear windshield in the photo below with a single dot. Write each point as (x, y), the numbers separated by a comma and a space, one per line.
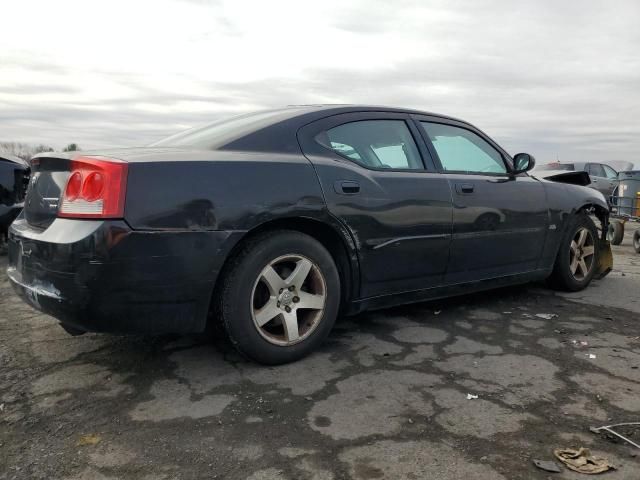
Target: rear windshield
(222, 132)
(557, 166)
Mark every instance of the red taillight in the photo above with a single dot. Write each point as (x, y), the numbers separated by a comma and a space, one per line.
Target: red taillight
(96, 188)
(74, 185)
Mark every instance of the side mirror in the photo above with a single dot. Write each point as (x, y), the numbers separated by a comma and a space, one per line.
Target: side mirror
(523, 162)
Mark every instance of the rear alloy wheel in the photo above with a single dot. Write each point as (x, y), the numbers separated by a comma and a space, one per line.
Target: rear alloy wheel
(280, 297)
(288, 300)
(578, 255)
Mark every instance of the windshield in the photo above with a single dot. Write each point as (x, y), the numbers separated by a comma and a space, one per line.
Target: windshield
(224, 131)
(557, 166)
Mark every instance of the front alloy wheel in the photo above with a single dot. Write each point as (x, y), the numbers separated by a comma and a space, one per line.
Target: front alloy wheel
(581, 255)
(577, 257)
(288, 299)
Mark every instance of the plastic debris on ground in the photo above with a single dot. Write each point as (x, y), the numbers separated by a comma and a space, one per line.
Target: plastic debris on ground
(471, 396)
(547, 466)
(582, 461)
(546, 316)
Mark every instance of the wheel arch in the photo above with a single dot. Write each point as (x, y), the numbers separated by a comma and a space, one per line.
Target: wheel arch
(586, 208)
(601, 212)
(330, 234)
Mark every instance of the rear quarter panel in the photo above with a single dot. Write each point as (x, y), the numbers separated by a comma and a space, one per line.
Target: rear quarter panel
(236, 194)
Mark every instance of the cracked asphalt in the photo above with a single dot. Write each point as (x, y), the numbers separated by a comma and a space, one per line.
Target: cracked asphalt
(385, 398)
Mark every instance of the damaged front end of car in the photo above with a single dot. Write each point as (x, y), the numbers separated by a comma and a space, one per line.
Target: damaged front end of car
(598, 209)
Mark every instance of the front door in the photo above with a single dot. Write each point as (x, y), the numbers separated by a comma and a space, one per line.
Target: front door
(379, 180)
(500, 220)
(603, 178)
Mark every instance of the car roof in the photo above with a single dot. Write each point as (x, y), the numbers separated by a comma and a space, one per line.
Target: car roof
(334, 109)
(272, 130)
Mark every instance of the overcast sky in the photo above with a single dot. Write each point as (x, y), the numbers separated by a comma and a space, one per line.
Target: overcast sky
(558, 79)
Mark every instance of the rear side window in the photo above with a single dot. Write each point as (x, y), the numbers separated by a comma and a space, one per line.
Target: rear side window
(374, 144)
(461, 150)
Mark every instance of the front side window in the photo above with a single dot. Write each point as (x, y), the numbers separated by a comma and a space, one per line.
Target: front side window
(461, 150)
(374, 144)
(610, 172)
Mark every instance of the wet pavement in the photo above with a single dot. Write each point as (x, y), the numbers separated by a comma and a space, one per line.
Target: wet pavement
(390, 395)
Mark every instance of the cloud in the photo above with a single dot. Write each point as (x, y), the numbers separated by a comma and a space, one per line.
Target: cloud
(557, 79)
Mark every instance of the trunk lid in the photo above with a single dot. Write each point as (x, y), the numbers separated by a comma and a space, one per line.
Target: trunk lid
(49, 176)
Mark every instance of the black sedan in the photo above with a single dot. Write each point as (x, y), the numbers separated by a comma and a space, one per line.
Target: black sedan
(14, 175)
(277, 221)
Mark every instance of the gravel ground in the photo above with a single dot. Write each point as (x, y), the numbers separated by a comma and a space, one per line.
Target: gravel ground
(386, 397)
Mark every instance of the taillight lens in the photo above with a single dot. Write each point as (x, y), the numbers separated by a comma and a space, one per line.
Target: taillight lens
(96, 188)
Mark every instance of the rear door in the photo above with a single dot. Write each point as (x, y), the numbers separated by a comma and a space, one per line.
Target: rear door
(379, 180)
(500, 220)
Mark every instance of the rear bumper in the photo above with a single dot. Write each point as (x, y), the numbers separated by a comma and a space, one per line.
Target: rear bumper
(103, 276)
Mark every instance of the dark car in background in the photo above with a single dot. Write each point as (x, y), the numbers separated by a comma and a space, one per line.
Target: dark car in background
(274, 222)
(14, 176)
(603, 177)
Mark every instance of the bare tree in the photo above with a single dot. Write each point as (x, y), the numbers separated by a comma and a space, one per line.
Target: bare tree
(24, 150)
(72, 147)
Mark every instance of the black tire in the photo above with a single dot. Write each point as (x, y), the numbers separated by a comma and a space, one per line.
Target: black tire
(615, 232)
(562, 278)
(636, 241)
(236, 297)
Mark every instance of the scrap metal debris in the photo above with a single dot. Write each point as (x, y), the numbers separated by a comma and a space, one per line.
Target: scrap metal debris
(582, 461)
(547, 466)
(610, 429)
